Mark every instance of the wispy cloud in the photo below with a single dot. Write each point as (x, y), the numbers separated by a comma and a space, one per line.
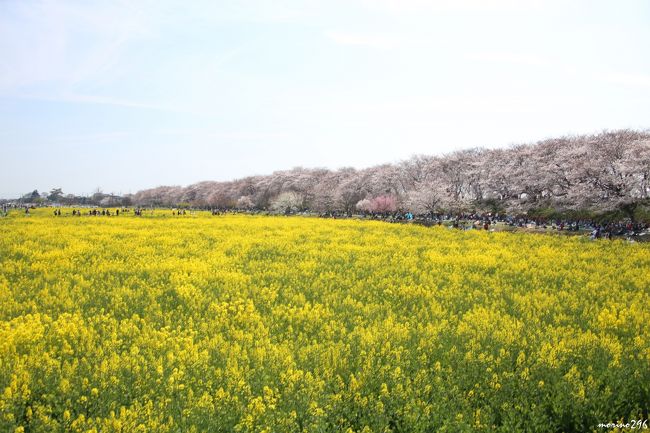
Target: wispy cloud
(93, 138)
(202, 135)
(105, 100)
(64, 43)
(514, 58)
(225, 135)
(380, 41)
(428, 6)
(628, 79)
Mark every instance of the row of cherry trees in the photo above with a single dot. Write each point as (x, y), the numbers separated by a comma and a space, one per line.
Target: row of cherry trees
(603, 172)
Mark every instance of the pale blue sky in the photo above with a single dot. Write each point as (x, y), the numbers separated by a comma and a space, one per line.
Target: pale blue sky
(125, 95)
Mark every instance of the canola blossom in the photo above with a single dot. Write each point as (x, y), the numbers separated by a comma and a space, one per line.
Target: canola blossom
(273, 324)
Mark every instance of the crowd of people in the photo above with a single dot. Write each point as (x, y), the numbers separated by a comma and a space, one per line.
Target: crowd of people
(462, 221)
(95, 212)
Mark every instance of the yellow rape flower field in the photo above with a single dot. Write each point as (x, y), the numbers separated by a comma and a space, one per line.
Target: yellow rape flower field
(272, 324)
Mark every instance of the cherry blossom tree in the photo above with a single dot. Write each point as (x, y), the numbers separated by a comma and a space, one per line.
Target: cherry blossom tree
(609, 171)
(383, 204)
(287, 202)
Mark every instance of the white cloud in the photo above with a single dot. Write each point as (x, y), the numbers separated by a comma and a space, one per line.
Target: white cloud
(225, 135)
(525, 59)
(379, 41)
(628, 79)
(56, 42)
(103, 100)
(93, 138)
(432, 6)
